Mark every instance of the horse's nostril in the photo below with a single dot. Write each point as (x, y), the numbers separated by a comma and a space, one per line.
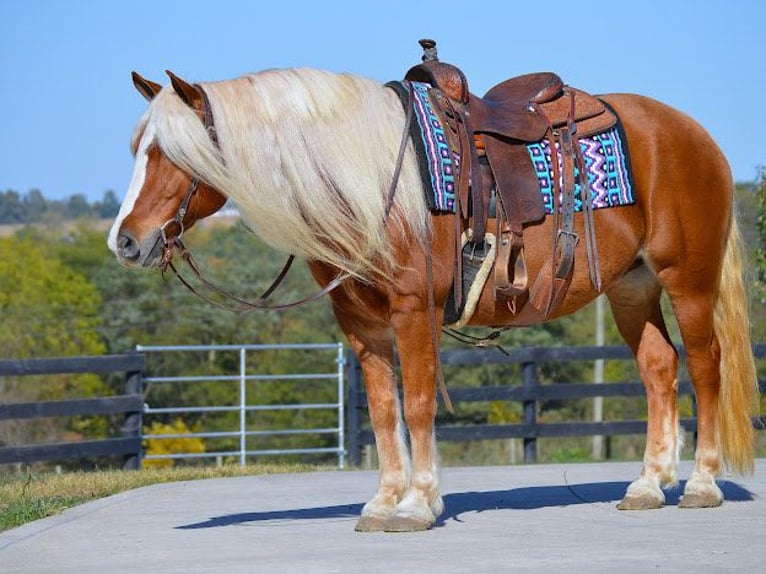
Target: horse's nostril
(127, 247)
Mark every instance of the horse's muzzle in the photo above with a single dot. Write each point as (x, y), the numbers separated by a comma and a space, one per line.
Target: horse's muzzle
(133, 253)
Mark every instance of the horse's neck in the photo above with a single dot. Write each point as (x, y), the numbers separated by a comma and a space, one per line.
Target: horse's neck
(316, 181)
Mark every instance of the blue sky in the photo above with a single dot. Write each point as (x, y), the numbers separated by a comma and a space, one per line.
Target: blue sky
(69, 107)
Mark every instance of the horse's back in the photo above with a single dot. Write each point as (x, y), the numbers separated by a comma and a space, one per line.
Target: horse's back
(667, 147)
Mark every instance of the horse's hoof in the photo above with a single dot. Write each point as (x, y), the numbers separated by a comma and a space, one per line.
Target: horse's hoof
(371, 524)
(700, 500)
(639, 503)
(407, 524)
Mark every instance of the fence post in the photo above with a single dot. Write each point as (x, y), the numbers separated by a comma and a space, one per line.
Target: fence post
(341, 361)
(529, 381)
(242, 407)
(354, 377)
(131, 427)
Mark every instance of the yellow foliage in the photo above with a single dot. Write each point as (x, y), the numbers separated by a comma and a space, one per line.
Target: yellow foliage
(174, 445)
(503, 412)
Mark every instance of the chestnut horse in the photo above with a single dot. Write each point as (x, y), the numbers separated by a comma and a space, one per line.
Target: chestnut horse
(308, 158)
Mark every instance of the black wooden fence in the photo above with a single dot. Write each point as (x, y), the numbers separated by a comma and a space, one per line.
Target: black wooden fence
(129, 404)
(529, 392)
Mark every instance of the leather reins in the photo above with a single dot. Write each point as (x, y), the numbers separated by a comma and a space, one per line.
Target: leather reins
(172, 240)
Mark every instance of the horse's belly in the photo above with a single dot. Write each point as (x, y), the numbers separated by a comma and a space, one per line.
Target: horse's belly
(619, 239)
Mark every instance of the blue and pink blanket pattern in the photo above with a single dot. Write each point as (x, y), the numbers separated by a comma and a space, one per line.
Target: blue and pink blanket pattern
(605, 162)
(438, 163)
(605, 155)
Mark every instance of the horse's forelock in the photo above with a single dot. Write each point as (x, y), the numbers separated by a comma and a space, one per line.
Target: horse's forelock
(183, 138)
(138, 132)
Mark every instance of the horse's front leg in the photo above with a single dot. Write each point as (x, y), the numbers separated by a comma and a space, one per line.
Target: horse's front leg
(422, 502)
(372, 339)
(377, 362)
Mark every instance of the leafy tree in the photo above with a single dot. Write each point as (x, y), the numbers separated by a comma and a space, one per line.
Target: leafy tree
(35, 206)
(760, 194)
(109, 206)
(45, 310)
(142, 307)
(78, 206)
(11, 207)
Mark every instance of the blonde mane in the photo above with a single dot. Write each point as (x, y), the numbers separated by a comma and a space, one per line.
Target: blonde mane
(307, 156)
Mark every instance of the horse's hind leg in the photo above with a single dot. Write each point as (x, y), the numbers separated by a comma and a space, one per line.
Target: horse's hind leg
(635, 302)
(693, 303)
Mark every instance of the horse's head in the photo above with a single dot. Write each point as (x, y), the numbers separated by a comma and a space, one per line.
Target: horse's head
(162, 200)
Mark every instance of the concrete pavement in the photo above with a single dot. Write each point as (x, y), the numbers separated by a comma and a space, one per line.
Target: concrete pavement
(537, 518)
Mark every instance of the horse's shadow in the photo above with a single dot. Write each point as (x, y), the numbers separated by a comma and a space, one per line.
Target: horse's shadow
(457, 504)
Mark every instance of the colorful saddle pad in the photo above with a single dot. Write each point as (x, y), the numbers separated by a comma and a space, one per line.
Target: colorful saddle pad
(606, 160)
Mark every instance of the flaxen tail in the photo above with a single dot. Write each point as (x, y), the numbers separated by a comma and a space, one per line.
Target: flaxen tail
(739, 382)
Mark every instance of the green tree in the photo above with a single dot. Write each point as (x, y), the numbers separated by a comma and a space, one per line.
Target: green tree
(109, 206)
(45, 310)
(11, 207)
(760, 194)
(35, 206)
(78, 206)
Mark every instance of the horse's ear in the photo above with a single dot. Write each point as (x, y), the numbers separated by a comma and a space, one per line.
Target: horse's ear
(187, 92)
(145, 87)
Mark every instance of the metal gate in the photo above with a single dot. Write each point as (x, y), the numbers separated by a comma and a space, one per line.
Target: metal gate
(329, 355)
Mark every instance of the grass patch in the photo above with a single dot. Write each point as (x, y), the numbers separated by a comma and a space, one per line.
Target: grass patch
(25, 497)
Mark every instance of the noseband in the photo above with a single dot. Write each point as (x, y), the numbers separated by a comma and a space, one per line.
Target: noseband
(172, 230)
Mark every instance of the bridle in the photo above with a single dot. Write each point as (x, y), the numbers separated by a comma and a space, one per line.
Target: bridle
(173, 229)
(171, 240)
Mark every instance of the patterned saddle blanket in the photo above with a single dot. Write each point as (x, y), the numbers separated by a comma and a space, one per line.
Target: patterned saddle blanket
(606, 161)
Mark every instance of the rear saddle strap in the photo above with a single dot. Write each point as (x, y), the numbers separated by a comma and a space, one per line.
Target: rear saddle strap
(518, 111)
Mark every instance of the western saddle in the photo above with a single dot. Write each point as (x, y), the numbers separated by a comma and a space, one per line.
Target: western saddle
(497, 181)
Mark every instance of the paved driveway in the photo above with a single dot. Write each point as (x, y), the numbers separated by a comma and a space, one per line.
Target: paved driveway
(537, 518)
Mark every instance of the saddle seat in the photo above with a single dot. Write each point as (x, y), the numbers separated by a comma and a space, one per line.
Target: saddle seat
(516, 109)
(509, 109)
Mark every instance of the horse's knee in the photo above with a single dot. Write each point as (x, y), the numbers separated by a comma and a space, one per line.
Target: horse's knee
(420, 412)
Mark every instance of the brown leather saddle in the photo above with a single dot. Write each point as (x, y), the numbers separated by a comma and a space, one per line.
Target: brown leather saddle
(490, 135)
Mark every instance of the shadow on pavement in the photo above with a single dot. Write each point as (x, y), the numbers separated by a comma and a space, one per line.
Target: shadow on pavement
(456, 504)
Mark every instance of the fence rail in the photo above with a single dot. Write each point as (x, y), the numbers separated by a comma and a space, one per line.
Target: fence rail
(351, 428)
(529, 392)
(129, 404)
